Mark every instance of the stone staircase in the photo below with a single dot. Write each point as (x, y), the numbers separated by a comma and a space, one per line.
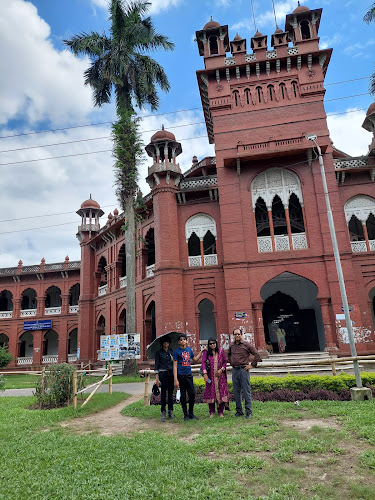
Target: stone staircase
(299, 357)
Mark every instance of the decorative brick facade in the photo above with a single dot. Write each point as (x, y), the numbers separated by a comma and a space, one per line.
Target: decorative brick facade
(241, 239)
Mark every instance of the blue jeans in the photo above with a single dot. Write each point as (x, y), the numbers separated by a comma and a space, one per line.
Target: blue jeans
(241, 385)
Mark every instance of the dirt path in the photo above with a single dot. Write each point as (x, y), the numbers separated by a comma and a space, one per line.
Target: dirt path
(110, 422)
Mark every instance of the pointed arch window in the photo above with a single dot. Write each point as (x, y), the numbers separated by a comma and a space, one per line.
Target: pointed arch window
(236, 97)
(200, 232)
(259, 92)
(150, 255)
(283, 93)
(102, 276)
(278, 210)
(271, 93)
(295, 89)
(247, 96)
(360, 217)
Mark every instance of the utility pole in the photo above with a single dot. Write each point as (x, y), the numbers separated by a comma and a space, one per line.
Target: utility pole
(312, 138)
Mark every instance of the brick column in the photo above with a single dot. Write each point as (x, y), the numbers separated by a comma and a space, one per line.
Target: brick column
(329, 329)
(260, 340)
(38, 347)
(65, 303)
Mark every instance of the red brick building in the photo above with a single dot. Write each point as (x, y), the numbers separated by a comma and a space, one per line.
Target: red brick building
(240, 239)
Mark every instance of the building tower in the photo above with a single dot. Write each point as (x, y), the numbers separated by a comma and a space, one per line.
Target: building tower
(90, 213)
(258, 108)
(164, 177)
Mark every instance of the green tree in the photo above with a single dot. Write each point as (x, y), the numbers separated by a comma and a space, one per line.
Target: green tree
(120, 67)
(5, 357)
(368, 18)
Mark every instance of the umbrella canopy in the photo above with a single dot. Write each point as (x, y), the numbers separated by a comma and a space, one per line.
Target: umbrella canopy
(155, 345)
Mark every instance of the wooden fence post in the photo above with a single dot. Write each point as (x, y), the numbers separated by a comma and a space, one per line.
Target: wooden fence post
(110, 380)
(75, 390)
(147, 382)
(333, 366)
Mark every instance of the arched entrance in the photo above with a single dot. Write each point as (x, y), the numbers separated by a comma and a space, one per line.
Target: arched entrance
(372, 299)
(150, 325)
(207, 322)
(100, 330)
(291, 310)
(73, 342)
(51, 343)
(26, 345)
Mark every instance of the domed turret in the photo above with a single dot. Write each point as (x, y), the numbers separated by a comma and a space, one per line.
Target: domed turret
(369, 123)
(90, 212)
(163, 149)
(213, 39)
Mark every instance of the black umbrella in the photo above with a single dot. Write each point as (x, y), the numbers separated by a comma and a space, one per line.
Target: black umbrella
(155, 345)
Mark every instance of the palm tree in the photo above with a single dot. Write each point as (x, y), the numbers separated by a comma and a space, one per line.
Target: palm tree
(368, 18)
(120, 67)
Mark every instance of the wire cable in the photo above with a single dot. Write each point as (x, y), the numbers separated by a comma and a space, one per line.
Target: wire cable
(147, 116)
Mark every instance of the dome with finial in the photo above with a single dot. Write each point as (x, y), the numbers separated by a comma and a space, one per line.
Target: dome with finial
(67, 258)
(90, 203)
(278, 31)
(43, 261)
(237, 38)
(115, 212)
(211, 24)
(162, 135)
(20, 262)
(301, 8)
(257, 34)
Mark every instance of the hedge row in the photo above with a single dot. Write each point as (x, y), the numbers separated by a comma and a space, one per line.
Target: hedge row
(303, 383)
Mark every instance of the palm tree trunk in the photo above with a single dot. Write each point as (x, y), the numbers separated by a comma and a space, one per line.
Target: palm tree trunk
(130, 265)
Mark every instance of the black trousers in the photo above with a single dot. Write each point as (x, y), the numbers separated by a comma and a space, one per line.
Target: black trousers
(187, 386)
(166, 386)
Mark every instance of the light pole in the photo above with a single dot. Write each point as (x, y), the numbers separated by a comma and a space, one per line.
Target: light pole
(336, 253)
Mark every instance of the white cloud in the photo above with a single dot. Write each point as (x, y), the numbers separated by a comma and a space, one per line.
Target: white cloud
(156, 5)
(329, 42)
(347, 133)
(37, 81)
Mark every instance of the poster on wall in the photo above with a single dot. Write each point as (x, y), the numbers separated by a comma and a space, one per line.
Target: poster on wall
(120, 347)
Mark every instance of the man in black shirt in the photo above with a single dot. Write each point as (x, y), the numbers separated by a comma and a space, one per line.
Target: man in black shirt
(164, 376)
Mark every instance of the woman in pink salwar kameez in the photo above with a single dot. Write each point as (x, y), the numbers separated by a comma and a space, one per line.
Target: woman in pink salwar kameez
(216, 383)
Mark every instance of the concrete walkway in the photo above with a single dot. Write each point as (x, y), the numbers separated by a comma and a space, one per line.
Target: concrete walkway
(130, 388)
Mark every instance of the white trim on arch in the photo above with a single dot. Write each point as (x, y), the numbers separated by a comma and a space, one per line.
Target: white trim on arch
(200, 224)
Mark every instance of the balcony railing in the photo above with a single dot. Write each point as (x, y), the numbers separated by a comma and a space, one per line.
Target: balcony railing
(25, 360)
(360, 246)
(299, 242)
(6, 314)
(281, 243)
(102, 290)
(72, 358)
(50, 359)
(49, 311)
(150, 271)
(25, 313)
(195, 261)
(123, 282)
(210, 260)
(73, 309)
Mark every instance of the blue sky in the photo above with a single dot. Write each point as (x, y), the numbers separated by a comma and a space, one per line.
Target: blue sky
(41, 88)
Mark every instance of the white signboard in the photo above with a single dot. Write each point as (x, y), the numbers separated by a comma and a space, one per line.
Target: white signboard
(120, 347)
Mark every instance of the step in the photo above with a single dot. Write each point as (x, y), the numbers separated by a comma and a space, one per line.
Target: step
(301, 369)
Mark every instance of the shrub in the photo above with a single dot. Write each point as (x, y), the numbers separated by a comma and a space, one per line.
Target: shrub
(2, 383)
(5, 357)
(55, 387)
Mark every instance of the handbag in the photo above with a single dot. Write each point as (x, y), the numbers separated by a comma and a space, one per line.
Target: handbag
(208, 367)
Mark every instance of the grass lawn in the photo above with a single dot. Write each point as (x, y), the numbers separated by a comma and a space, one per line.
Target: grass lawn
(317, 450)
(26, 381)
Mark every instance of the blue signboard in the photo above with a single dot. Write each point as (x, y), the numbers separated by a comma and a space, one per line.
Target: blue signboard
(240, 315)
(44, 324)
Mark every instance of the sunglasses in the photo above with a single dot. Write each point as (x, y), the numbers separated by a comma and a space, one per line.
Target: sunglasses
(212, 343)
